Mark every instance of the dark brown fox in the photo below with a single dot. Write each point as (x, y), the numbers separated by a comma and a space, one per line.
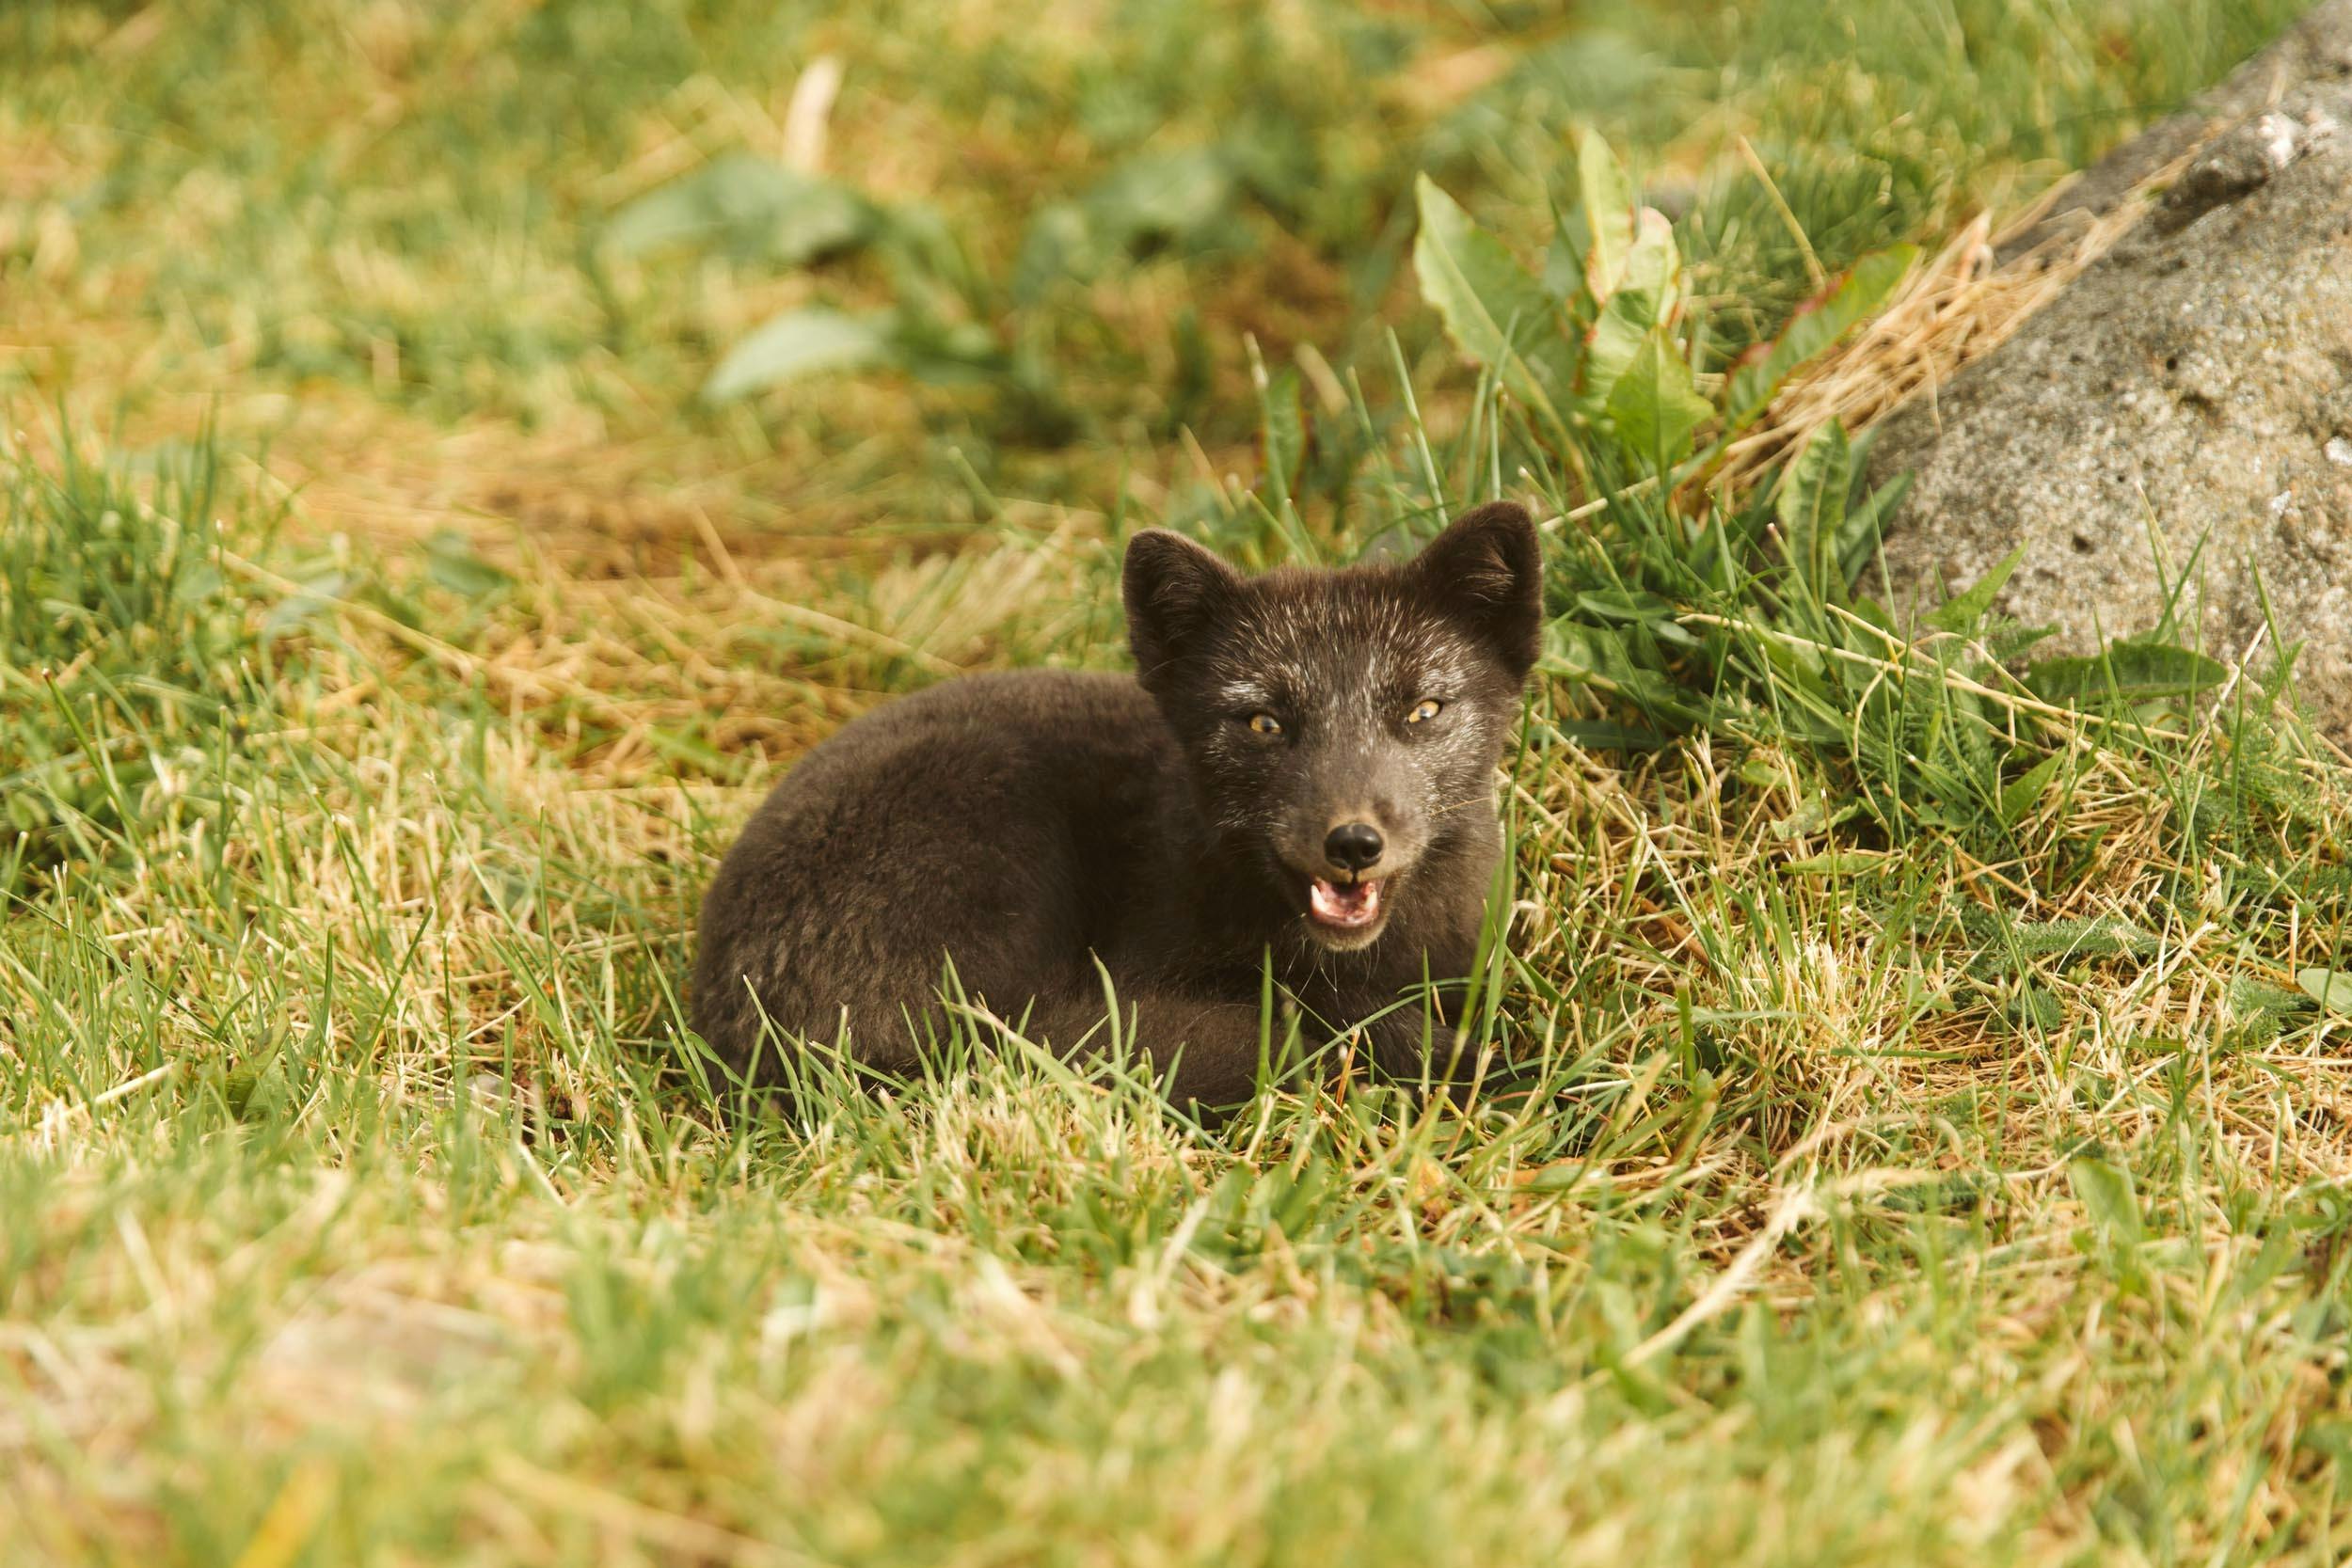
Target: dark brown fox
(1301, 775)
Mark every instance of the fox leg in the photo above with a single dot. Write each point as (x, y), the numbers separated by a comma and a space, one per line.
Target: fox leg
(1199, 1051)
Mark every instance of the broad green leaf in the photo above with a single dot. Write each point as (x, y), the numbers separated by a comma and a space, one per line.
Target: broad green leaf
(932, 270)
(757, 210)
(317, 597)
(1605, 198)
(1656, 405)
(1858, 536)
(2018, 798)
(1836, 863)
(453, 564)
(1813, 816)
(799, 343)
(667, 216)
(2108, 1194)
(1964, 611)
(1631, 607)
(1060, 246)
(2131, 669)
(1606, 658)
(1811, 505)
(1816, 325)
(1654, 264)
(1626, 604)
(945, 352)
(1161, 196)
(1493, 310)
(1563, 262)
(2330, 988)
(1648, 294)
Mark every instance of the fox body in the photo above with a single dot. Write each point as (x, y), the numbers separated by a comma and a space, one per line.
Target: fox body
(1302, 773)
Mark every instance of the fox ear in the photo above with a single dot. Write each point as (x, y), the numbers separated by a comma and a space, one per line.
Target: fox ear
(1175, 591)
(1488, 570)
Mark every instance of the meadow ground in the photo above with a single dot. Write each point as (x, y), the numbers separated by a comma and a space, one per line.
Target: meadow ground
(1916, 1128)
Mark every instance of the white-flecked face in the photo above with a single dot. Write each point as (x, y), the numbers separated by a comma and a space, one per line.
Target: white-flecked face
(1341, 725)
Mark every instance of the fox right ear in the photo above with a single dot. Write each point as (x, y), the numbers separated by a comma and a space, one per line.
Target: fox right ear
(1174, 591)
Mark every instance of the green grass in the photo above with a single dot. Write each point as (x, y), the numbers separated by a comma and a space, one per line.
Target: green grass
(1915, 1130)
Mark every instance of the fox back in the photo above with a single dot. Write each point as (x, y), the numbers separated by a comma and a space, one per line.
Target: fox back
(1301, 774)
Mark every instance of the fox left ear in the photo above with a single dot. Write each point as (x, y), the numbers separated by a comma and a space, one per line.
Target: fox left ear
(1175, 591)
(1487, 569)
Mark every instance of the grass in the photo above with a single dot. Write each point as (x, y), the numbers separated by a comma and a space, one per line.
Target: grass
(1920, 1137)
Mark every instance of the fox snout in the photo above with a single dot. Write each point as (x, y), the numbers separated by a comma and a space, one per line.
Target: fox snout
(1347, 870)
(1354, 848)
(1355, 839)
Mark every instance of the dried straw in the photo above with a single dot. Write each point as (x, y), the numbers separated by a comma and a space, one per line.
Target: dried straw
(1962, 304)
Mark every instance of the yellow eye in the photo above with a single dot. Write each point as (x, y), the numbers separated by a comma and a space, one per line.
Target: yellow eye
(1427, 708)
(1264, 723)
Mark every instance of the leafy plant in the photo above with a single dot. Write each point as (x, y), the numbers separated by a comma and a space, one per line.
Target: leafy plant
(1603, 340)
(951, 322)
(1684, 607)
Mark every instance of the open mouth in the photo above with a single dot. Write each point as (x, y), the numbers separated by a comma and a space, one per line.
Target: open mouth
(1344, 906)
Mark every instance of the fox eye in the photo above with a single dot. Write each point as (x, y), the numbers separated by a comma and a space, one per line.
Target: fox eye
(1425, 710)
(1264, 723)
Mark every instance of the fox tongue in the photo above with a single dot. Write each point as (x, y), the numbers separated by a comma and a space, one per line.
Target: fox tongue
(1345, 903)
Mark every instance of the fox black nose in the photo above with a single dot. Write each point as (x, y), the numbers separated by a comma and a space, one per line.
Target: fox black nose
(1353, 845)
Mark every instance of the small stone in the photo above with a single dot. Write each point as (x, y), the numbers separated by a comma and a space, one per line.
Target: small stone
(2339, 451)
(2281, 139)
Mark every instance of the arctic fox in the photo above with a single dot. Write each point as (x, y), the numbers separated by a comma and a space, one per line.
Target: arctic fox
(1300, 780)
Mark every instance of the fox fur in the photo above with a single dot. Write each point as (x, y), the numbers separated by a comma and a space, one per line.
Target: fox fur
(1300, 778)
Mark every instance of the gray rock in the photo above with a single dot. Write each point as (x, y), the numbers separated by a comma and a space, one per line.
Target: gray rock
(2188, 398)
(2319, 47)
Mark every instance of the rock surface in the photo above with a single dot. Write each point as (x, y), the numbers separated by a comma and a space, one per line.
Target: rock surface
(2189, 395)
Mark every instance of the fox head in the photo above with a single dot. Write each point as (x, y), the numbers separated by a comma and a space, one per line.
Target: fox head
(1342, 727)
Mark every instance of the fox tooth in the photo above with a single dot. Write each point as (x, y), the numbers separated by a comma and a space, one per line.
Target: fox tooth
(1348, 905)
